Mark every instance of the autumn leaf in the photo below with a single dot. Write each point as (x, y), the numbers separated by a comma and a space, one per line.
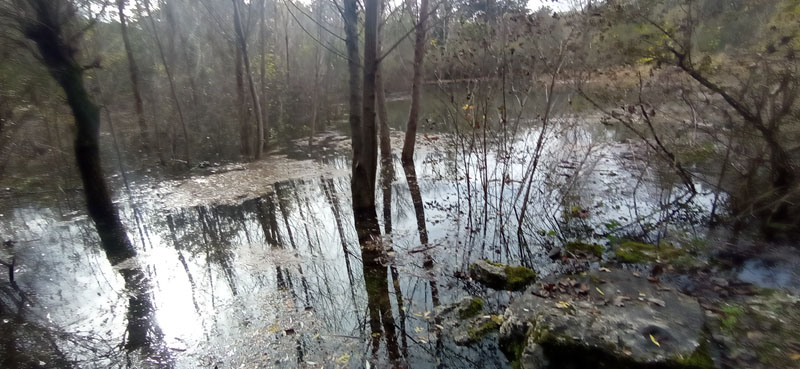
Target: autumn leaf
(653, 339)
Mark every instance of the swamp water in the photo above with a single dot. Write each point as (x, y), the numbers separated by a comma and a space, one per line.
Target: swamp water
(261, 266)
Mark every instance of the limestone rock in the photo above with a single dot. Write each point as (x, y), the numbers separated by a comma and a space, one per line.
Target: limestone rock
(622, 322)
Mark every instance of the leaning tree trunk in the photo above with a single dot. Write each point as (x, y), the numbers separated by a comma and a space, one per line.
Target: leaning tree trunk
(133, 70)
(59, 58)
(419, 54)
(253, 94)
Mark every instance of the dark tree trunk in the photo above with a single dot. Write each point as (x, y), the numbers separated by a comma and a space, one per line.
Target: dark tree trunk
(59, 58)
(383, 116)
(365, 163)
(133, 70)
(244, 118)
(419, 55)
(262, 40)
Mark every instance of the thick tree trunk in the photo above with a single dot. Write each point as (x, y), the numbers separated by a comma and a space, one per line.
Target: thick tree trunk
(253, 94)
(419, 55)
(60, 61)
(133, 71)
(366, 162)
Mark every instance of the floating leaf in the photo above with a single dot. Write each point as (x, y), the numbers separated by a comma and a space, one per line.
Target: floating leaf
(795, 356)
(562, 304)
(599, 291)
(653, 339)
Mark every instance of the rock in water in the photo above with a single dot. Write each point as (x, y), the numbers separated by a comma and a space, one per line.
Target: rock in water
(615, 325)
(501, 277)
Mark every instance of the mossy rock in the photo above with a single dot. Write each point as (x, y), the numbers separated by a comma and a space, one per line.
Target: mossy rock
(484, 327)
(759, 331)
(501, 277)
(471, 308)
(576, 247)
(663, 330)
(632, 252)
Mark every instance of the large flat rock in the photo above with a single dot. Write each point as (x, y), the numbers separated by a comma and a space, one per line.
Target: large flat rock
(611, 319)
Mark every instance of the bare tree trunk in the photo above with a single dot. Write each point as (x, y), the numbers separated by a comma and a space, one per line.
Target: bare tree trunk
(253, 94)
(366, 161)
(59, 58)
(419, 55)
(383, 116)
(263, 69)
(244, 118)
(315, 98)
(172, 90)
(133, 70)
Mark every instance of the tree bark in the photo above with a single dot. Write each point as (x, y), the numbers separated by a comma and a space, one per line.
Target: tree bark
(244, 118)
(133, 71)
(263, 70)
(419, 55)
(59, 58)
(383, 116)
(253, 94)
(366, 162)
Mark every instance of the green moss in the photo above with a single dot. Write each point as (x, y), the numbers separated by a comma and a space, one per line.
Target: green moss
(478, 332)
(731, 314)
(473, 308)
(585, 248)
(519, 277)
(701, 357)
(641, 253)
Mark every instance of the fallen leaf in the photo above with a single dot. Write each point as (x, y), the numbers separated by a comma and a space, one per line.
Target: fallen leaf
(562, 304)
(599, 291)
(654, 340)
(795, 356)
(656, 301)
(346, 358)
(605, 270)
(274, 328)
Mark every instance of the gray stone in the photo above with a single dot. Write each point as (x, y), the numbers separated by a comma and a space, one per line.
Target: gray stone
(655, 326)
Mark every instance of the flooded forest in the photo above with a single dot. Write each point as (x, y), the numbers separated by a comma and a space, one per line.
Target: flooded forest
(516, 184)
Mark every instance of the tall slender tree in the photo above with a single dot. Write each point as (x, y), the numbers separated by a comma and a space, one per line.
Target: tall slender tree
(242, 44)
(416, 86)
(133, 71)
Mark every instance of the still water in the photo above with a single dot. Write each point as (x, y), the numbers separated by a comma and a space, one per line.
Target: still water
(260, 266)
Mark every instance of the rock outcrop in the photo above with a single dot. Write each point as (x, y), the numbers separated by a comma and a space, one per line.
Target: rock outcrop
(605, 319)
